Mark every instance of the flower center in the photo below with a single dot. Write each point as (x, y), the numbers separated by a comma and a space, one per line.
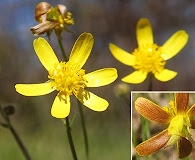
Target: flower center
(67, 79)
(149, 59)
(179, 125)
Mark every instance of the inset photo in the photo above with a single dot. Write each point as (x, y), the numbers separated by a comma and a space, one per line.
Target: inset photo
(162, 125)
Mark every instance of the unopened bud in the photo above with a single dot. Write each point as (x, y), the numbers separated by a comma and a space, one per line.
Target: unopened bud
(9, 110)
(121, 89)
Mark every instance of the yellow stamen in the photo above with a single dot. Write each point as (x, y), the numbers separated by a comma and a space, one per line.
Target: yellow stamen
(171, 109)
(149, 59)
(67, 79)
(68, 19)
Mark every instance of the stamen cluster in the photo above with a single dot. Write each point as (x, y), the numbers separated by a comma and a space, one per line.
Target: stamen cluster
(66, 79)
(149, 59)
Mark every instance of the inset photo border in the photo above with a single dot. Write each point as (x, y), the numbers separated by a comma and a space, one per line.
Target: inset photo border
(162, 125)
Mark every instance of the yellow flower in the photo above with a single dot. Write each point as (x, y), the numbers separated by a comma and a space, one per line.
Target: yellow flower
(177, 116)
(69, 78)
(149, 57)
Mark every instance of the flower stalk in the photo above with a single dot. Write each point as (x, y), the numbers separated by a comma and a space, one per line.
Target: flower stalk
(84, 130)
(62, 49)
(15, 135)
(150, 81)
(68, 129)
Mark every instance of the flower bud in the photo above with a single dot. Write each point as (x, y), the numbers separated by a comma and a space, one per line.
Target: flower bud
(121, 89)
(9, 110)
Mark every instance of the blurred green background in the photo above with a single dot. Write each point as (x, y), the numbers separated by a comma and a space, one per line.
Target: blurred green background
(109, 21)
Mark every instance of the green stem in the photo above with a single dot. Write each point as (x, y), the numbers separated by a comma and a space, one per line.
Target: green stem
(20, 144)
(84, 130)
(145, 128)
(150, 81)
(62, 49)
(135, 143)
(145, 132)
(68, 129)
(15, 135)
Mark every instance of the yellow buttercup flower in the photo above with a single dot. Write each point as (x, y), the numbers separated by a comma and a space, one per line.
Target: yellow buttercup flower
(69, 78)
(178, 116)
(149, 57)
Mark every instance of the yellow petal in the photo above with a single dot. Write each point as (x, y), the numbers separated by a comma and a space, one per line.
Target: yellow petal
(60, 108)
(165, 75)
(92, 101)
(34, 89)
(153, 144)
(144, 32)
(135, 77)
(121, 55)
(174, 44)
(45, 53)
(81, 50)
(101, 77)
(152, 111)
